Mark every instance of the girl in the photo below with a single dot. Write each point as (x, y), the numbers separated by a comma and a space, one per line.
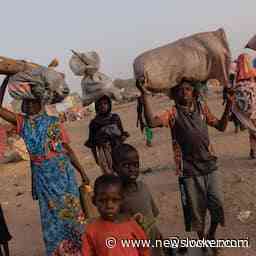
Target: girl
(105, 132)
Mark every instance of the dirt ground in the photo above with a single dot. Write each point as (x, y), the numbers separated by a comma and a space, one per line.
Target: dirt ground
(238, 174)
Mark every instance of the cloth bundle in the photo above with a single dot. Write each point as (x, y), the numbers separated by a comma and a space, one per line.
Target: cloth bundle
(41, 83)
(94, 83)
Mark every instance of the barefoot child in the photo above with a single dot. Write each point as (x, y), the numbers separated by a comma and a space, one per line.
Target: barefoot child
(108, 196)
(138, 200)
(105, 132)
(5, 236)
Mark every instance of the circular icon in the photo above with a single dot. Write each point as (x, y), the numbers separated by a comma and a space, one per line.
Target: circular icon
(110, 242)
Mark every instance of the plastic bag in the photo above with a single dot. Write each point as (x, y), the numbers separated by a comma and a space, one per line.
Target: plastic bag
(82, 62)
(98, 85)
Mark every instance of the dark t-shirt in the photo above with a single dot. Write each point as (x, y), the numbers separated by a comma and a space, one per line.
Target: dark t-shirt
(190, 130)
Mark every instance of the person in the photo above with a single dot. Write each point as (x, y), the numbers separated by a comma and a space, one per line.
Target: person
(238, 125)
(5, 236)
(53, 177)
(108, 197)
(245, 89)
(105, 132)
(149, 136)
(142, 124)
(196, 163)
(138, 201)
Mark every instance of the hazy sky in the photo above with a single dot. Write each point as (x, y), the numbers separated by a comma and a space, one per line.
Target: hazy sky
(117, 30)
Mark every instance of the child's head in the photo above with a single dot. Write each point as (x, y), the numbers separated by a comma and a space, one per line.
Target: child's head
(126, 162)
(103, 105)
(108, 195)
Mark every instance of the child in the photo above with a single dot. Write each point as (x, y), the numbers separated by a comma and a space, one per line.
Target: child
(105, 132)
(5, 236)
(108, 196)
(138, 200)
(149, 136)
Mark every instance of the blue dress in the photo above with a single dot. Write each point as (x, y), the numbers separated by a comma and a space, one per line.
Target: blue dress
(53, 185)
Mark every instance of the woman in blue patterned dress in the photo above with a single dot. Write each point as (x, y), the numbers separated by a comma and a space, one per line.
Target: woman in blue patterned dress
(53, 177)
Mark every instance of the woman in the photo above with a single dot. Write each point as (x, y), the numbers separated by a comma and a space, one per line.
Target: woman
(53, 177)
(105, 132)
(245, 107)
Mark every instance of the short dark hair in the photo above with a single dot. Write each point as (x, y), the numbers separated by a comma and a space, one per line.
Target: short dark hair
(105, 181)
(122, 150)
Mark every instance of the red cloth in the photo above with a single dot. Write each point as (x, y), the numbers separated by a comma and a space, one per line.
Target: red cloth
(97, 233)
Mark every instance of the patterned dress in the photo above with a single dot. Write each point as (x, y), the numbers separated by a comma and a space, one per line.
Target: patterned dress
(53, 184)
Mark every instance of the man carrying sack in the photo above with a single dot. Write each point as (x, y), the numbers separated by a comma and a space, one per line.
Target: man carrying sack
(196, 164)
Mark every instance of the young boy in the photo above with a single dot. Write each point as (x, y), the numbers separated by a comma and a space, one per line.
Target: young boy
(105, 132)
(138, 200)
(103, 236)
(5, 236)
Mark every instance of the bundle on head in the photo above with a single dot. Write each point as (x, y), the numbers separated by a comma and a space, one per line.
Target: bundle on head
(198, 57)
(41, 83)
(94, 84)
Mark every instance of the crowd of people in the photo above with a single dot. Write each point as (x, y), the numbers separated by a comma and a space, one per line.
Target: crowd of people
(126, 207)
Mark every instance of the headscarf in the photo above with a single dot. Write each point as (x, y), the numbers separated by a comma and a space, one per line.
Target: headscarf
(97, 104)
(106, 127)
(245, 70)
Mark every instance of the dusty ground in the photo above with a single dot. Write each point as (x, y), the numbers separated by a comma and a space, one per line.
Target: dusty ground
(238, 175)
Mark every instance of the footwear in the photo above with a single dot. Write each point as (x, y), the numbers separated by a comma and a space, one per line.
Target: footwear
(236, 129)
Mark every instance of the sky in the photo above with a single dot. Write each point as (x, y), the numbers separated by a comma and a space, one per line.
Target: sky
(118, 30)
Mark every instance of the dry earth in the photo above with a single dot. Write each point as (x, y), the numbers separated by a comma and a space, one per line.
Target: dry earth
(237, 171)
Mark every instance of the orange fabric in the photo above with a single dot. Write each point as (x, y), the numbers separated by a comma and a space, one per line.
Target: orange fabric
(167, 117)
(244, 68)
(97, 233)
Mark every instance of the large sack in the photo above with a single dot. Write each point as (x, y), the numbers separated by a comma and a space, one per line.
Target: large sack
(42, 83)
(82, 62)
(94, 87)
(198, 57)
